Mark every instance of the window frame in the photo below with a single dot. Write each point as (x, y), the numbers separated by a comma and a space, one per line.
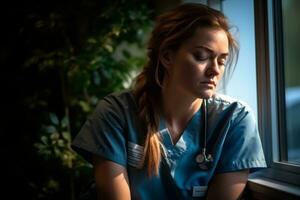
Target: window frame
(271, 92)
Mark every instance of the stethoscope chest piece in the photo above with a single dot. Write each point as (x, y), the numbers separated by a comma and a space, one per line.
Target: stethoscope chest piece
(200, 158)
(204, 161)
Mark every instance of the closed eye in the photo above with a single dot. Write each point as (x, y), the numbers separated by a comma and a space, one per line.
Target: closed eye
(223, 58)
(222, 61)
(201, 55)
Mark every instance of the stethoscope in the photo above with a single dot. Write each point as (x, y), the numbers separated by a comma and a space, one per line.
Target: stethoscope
(204, 160)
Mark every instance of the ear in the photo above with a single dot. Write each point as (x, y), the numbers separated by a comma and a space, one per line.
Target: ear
(166, 58)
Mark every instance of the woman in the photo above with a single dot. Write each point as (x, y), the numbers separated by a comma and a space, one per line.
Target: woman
(172, 136)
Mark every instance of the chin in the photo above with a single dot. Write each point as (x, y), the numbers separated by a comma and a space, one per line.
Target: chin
(206, 94)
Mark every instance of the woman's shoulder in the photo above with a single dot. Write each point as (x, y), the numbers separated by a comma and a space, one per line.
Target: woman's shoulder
(221, 102)
(122, 96)
(117, 102)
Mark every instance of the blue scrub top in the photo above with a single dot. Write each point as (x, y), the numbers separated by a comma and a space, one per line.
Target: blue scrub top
(232, 139)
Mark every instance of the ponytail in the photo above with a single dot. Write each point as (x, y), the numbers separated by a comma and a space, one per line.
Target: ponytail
(148, 115)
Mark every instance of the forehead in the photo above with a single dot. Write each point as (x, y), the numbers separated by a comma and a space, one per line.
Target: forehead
(214, 39)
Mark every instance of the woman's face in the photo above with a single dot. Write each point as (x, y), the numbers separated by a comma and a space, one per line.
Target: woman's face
(196, 68)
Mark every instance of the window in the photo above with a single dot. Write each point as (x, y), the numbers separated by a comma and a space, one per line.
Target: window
(291, 60)
(277, 53)
(284, 83)
(241, 18)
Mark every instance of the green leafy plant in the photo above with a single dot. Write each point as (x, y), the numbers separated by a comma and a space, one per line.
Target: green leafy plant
(75, 72)
(55, 145)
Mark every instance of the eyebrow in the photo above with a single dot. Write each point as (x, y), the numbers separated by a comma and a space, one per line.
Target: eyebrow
(210, 50)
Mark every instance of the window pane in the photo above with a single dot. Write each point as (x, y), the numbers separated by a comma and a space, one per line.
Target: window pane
(241, 16)
(291, 44)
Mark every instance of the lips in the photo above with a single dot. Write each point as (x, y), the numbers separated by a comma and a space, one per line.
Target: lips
(209, 82)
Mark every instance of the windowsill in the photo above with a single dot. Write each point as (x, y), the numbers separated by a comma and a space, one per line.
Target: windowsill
(265, 188)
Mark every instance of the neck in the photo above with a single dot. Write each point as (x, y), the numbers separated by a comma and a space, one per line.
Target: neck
(178, 107)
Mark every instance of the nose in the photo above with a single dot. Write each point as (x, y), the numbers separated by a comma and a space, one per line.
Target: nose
(213, 68)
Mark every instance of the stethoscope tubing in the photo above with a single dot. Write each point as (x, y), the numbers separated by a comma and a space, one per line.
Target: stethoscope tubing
(203, 159)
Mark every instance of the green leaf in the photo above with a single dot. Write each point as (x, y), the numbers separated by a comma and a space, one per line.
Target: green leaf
(96, 78)
(61, 143)
(57, 152)
(116, 30)
(94, 61)
(85, 106)
(54, 136)
(92, 40)
(44, 139)
(66, 135)
(94, 100)
(50, 129)
(54, 119)
(65, 122)
(108, 47)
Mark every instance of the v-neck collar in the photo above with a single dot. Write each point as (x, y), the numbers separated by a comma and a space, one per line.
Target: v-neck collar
(192, 126)
(173, 152)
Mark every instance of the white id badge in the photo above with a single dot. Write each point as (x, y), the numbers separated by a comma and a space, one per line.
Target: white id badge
(199, 191)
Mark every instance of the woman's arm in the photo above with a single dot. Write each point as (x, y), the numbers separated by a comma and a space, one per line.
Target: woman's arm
(111, 180)
(228, 186)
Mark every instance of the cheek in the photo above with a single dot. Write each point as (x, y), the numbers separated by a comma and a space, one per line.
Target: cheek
(222, 71)
(220, 76)
(190, 70)
(193, 74)
(194, 67)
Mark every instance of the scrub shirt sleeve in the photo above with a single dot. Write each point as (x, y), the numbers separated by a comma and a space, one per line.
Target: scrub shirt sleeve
(242, 147)
(103, 134)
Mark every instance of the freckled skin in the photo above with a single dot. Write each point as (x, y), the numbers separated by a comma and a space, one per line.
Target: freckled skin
(199, 60)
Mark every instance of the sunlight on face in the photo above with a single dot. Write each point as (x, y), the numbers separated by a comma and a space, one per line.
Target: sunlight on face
(198, 65)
